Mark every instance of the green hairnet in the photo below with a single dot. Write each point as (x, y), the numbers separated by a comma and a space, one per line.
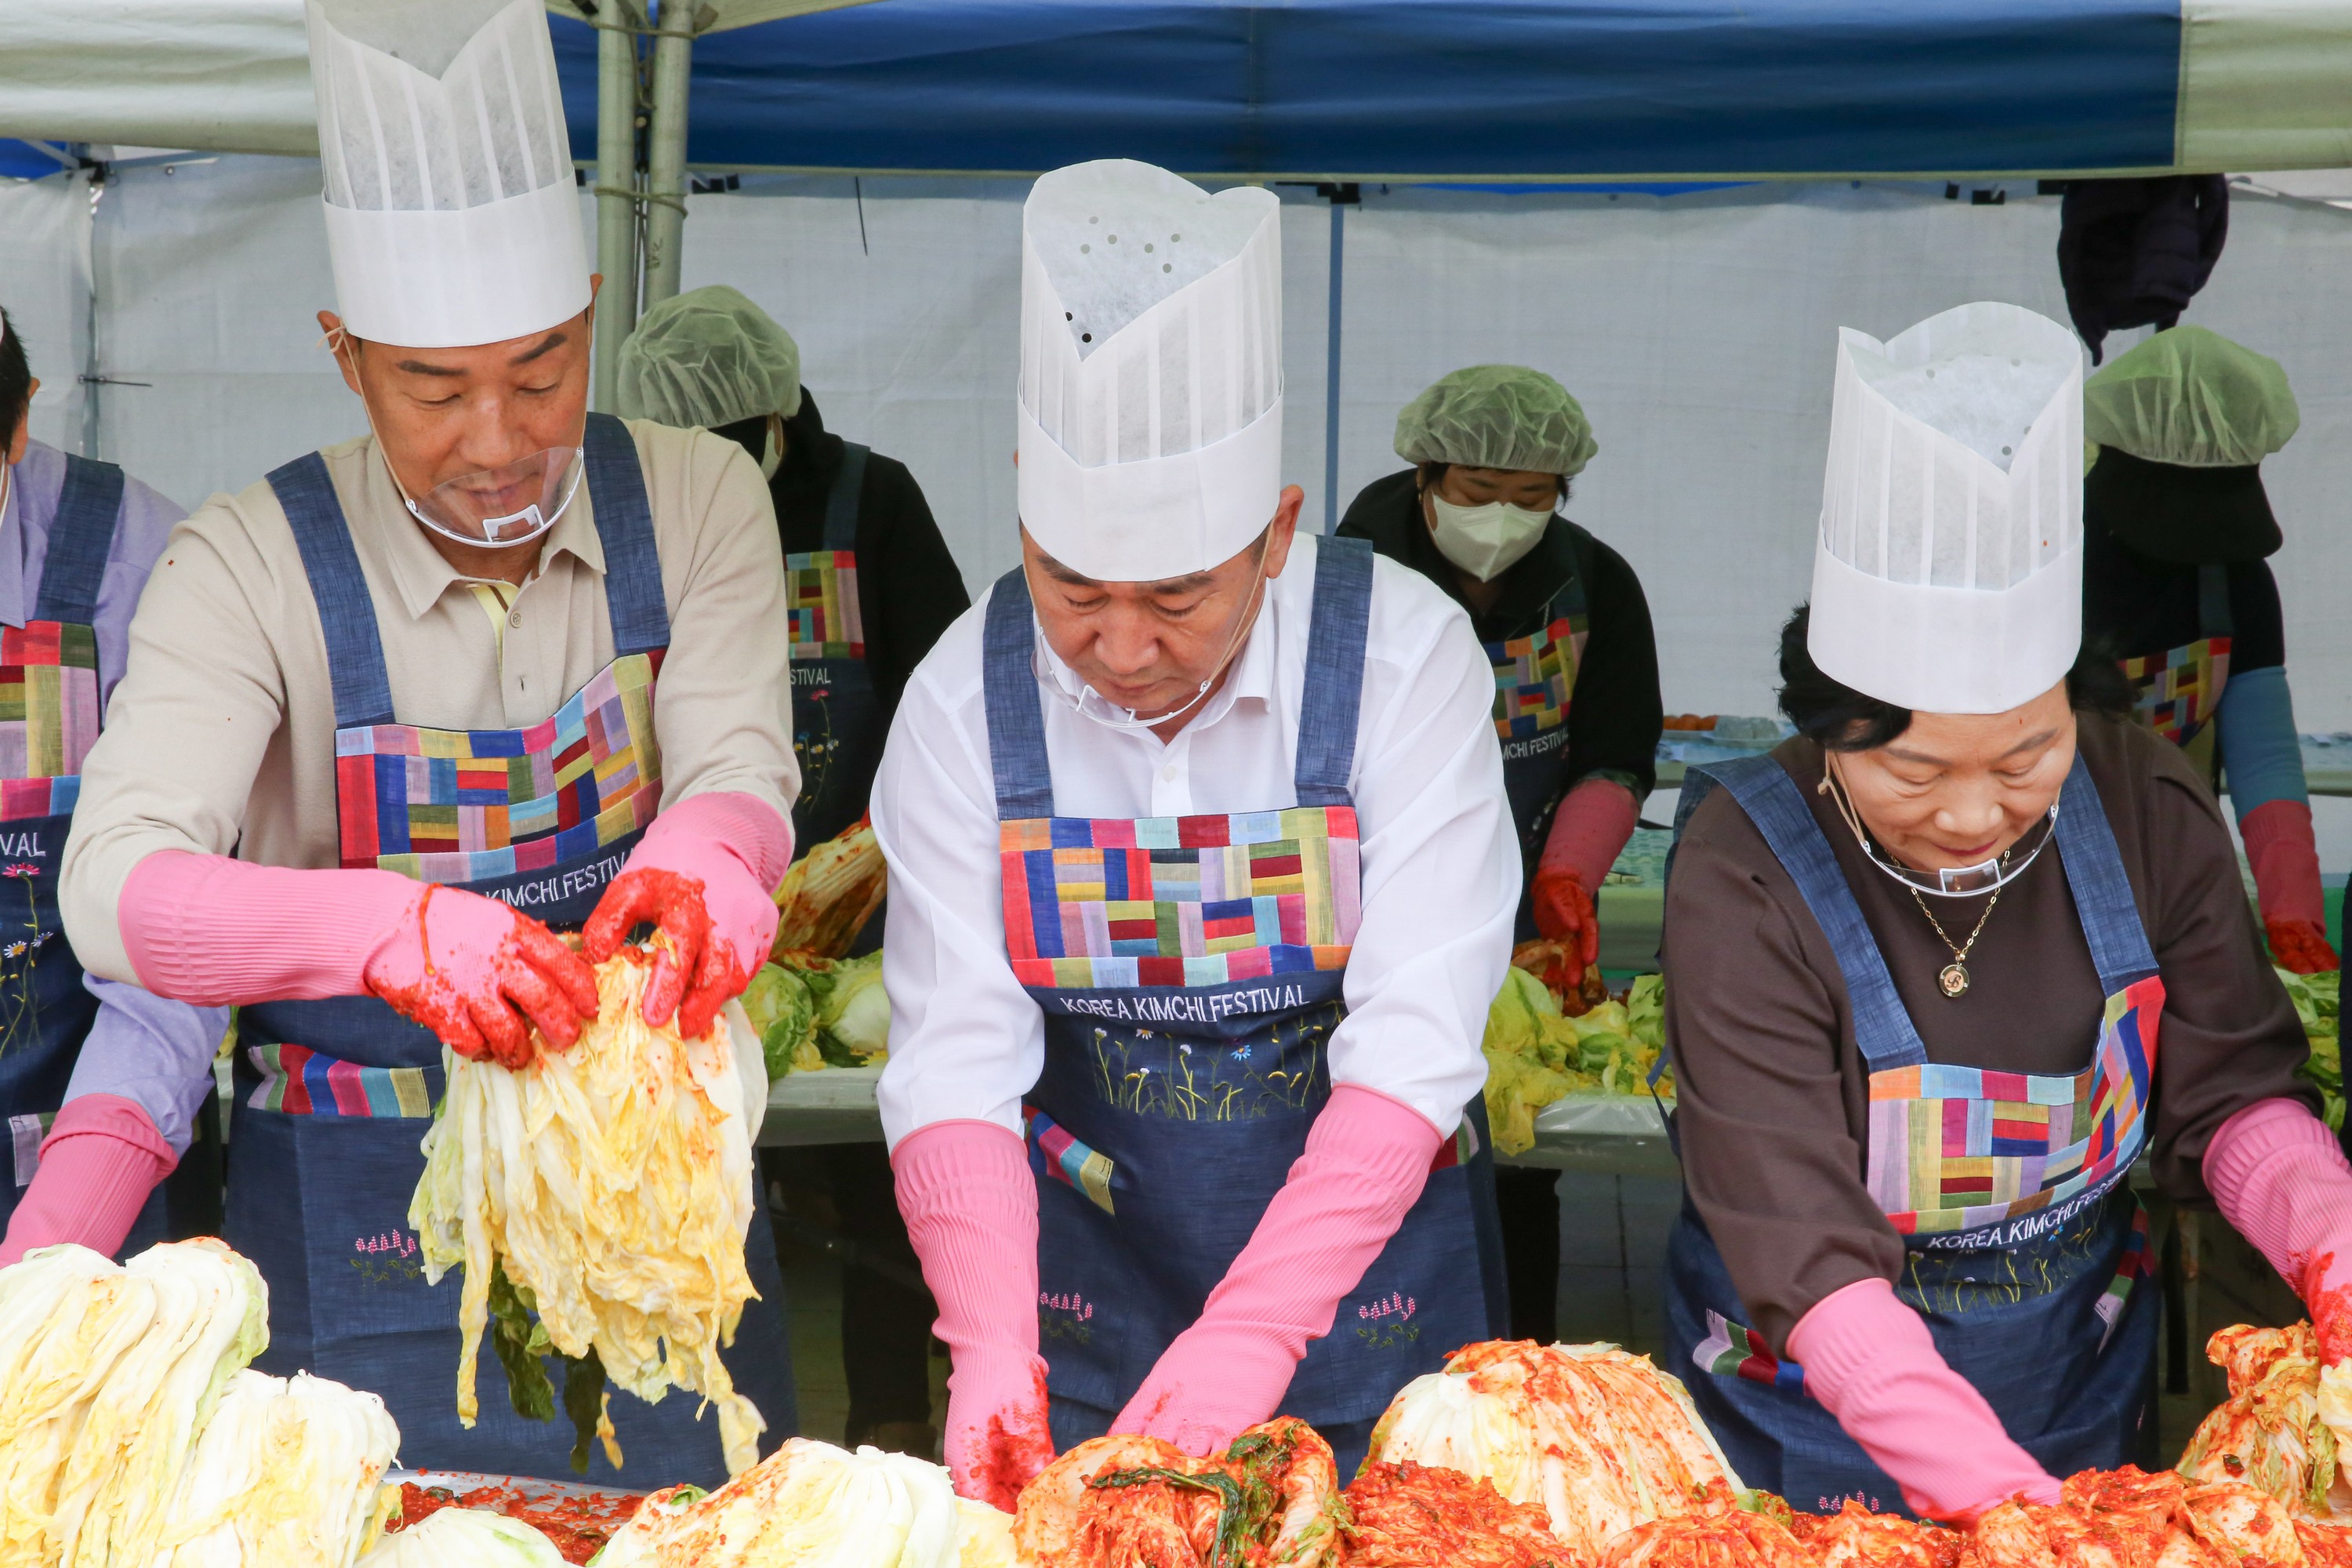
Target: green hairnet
(2192, 398)
(1496, 416)
(709, 357)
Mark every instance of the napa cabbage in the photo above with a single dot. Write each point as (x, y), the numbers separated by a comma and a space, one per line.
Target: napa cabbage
(611, 1184)
(1600, 1439)
(466, 1538)
(813, 1504)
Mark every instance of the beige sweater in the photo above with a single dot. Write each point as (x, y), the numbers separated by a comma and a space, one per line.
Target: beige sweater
(220, 737)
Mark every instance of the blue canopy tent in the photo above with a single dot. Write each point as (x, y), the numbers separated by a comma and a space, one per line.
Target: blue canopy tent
(1464, 91)
(1454, 89)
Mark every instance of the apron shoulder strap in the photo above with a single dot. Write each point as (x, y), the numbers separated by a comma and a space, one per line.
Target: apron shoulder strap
(1883, 1029)
(841, 501)
(346, 609)
(2213, 617)
(1335, 670)
(2103, 895)
(82, 536)
(624, 523)
(1017, 713)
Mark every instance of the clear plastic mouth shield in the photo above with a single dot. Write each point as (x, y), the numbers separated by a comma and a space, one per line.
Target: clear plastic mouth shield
(1952, 881)
(505, 506)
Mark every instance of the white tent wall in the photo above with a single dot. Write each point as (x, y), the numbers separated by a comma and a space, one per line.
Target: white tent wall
(45, 284)
(1698, 330)
(1699, 333)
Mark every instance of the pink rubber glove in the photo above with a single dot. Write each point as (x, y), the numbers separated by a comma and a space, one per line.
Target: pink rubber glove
(100, 1160)
(2278, 1176)
(1366, 1160)
(706, 872)
(1870, 1362)
(215, 932)
(970, 1206)
(2285, 858)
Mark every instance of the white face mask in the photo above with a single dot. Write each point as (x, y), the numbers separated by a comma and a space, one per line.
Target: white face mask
(1486, 541)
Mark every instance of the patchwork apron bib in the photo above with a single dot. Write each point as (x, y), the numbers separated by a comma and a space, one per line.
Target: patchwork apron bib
(837, 730)
(1535, 681)
(48, 720)
(2179, 688)
(1190, 969)
(333, 1098)
(2023, 1245)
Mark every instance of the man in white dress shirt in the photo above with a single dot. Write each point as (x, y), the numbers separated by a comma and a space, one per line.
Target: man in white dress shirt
(1198, 898)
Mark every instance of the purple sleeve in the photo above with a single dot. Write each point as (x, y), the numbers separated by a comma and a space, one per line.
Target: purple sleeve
(142, 528)
(156, 1054)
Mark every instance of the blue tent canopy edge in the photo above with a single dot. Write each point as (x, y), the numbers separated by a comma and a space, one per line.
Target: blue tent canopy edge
(1499, 89)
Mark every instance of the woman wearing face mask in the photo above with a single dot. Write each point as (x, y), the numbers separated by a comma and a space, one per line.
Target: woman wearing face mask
(2176, 535)
(1944, 964)
(1577, 710)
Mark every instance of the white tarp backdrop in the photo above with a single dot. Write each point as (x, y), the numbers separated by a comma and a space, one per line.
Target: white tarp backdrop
(1698, 331)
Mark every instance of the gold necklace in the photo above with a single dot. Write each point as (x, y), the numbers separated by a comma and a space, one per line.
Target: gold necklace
(1953, 978)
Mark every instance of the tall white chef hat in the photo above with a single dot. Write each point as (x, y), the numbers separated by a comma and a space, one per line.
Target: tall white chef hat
(1948, 574)
(1150, 400)
(452, 217)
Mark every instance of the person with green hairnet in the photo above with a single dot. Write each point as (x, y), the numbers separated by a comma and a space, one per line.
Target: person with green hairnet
(2176, 532)
(1576, 711)
(872, 586)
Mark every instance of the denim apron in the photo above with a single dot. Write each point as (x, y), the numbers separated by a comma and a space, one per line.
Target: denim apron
(48, 720)
(2021, 1242)
(1190, 969)
(335, 1097)
(2179, 690)
(836, 722)
(1535, 680)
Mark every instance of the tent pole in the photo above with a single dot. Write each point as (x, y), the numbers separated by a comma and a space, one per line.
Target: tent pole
(616, 207)
(666, 151)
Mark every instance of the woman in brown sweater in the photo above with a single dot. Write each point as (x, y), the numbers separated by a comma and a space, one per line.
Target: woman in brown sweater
(1920, 960)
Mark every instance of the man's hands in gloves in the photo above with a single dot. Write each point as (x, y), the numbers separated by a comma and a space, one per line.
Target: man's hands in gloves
(705, 875)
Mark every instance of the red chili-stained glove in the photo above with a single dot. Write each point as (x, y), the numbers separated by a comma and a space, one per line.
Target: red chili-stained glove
(706, 874)
(1564, 911)
(970, 1206)
(217, 932)
(1588, 832)
(2301, 946)
(2278, 1175)
(472, 970)
(2285, 855)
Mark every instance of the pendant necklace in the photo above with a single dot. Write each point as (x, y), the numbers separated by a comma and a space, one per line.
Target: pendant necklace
(1953, 978)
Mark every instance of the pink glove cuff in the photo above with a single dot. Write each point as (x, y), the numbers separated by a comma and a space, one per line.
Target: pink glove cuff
(215, 932)
(2285, 855)
(100, 1160)
(1367, 1159)
(1589, 831)
(747, 827)
(2280, 1179)
(971, 1206)
(1870, 1362)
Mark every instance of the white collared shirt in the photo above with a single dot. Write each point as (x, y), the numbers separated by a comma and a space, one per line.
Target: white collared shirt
(1440, 861)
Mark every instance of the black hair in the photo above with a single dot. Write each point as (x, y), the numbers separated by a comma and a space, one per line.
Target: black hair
(1427, 475)
(16, 379)
(1842, 720)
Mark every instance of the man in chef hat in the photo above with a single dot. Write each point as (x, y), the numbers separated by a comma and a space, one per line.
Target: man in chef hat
(401, 711)
(1201, 881)
(1916, 1056)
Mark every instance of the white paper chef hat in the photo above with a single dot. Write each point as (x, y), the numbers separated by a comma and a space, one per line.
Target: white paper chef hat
(1150, 400)
(1948, 574)
(452, 216)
